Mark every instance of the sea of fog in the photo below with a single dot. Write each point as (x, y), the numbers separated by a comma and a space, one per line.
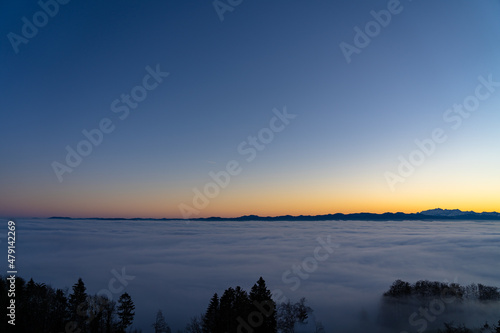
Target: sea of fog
(176, 267)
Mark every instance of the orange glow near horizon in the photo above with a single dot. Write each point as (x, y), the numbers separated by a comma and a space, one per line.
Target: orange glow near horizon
(234, 203)
(246, 196)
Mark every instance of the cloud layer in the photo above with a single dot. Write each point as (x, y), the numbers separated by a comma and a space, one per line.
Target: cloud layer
(178, 266)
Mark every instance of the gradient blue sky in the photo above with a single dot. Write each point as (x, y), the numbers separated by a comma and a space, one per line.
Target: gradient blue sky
(353, 120)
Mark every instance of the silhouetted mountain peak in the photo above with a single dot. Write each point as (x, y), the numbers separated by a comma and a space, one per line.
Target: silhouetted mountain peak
(456, 212)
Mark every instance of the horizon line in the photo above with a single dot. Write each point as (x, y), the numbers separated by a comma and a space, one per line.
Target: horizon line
(254, 216)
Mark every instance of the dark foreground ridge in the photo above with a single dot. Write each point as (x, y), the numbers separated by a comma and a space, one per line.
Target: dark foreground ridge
(426, 215)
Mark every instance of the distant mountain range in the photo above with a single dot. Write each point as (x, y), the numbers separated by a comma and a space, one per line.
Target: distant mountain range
(456, 213)
(432, 214)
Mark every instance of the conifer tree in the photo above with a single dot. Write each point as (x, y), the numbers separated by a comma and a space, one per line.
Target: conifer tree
(211, 320)
(195, 325)
(227, 310)
(125, 311)
(160, 325)
(59, 311)
(78, 305)
(262, 301)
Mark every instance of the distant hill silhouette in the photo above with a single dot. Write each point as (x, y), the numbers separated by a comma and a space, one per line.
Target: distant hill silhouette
(457, 213)
(432, 214)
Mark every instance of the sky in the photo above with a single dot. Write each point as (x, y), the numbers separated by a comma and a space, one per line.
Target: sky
(292, 107)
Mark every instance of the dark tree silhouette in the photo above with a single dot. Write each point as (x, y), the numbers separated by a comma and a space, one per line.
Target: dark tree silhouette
(449, 328)
(78, 305)
(236, 308)
(234, 304)
(37, 296)
(286, 317)
(101, 312)
(195, 325)
(289, 314)
(488, 293)
(241, 303)
(399, 288)
(51, 310)
(59, 311)
(43, 309)
(211, 320)
(261, 301)
(126, 312)
(227, 310)
(160, 325)
(425, 289)
(108, 314)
